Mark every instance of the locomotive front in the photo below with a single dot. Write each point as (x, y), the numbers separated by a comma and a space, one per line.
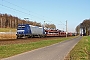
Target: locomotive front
(23, 31)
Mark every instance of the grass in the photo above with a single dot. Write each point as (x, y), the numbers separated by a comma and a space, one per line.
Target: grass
(82, 50)
(7, 30)
(13, 49)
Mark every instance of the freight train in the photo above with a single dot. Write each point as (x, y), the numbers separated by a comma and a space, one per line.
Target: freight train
(26, 31)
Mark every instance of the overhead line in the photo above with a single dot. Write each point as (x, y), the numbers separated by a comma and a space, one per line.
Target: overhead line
(17, 10)
(26, 9)
(14, 9)
(24, 12)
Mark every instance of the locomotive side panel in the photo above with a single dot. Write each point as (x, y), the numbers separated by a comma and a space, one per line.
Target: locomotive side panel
(37, 31)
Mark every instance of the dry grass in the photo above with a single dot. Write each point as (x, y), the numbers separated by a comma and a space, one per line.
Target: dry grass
(7, 30)
(7, 33)
(8, 36)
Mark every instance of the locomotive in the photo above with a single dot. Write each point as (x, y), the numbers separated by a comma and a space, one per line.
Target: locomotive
(26, 31)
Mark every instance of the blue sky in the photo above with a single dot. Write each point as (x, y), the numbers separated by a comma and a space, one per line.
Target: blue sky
(51, 11)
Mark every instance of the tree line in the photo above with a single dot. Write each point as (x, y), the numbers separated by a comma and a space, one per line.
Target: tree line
(9, 21)
(84, 27)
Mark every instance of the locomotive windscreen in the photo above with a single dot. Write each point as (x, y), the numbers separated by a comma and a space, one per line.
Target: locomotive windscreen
(21, 27)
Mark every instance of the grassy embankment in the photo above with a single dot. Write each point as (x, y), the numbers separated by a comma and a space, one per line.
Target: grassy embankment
(6, 35)
(81, 51)
(13, 49)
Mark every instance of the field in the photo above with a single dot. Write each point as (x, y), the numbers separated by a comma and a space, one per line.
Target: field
(7, 36)
(7, 30)
(7, 33)
(7, 50)
(81, 51)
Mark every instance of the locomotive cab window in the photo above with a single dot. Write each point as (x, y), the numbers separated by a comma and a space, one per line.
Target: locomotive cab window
(21, 27)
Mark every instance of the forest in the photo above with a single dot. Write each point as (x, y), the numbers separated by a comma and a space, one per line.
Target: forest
(9, 21)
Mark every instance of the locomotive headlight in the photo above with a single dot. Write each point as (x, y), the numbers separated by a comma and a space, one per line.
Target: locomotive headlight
(20, 31)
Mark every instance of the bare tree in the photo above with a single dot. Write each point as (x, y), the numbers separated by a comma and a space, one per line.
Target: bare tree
(85, 25)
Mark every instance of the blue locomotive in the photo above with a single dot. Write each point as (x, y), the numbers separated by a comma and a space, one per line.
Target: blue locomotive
(26, 30)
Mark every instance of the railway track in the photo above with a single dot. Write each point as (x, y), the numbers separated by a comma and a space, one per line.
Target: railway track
(17, 41)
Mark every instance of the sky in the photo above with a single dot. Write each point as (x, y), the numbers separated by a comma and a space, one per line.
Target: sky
(51, 11)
